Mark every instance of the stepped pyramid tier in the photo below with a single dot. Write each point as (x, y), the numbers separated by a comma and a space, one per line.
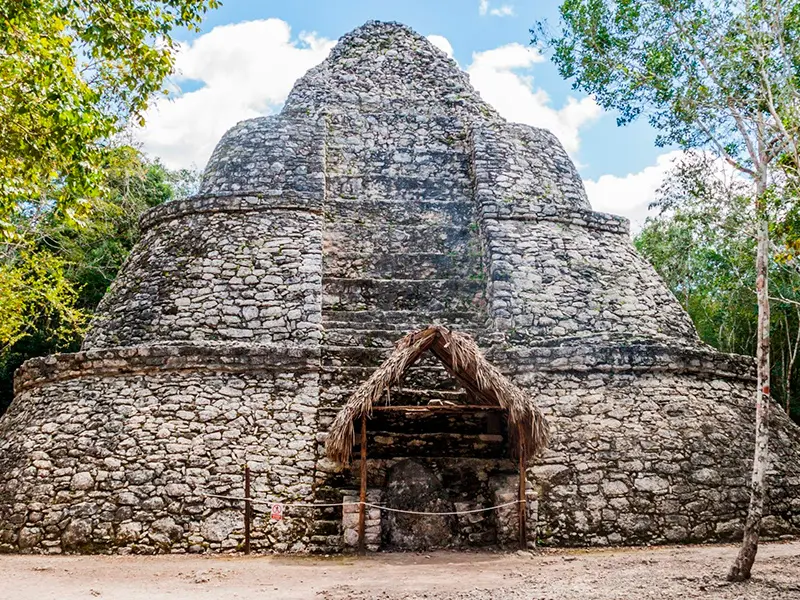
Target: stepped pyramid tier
(386, 196)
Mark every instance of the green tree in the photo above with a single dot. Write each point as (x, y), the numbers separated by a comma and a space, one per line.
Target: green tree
(715, 74)
(702, 245)
(73, 73)
(52, 280)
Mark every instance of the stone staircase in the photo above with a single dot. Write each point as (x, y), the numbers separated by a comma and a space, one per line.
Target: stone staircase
(401, 246)
(401, 251)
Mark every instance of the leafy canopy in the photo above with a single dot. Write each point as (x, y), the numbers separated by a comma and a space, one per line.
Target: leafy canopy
(702, 245)
(52, 279)
(722, 74)
(73, 73)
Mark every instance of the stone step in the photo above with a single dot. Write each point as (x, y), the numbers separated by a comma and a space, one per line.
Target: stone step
(427, 295)
(419, 376)
(379, 156)
(408, 187)
(410, 208)
(402, 320)
(448, 143)
(401, 396)
(386, 418)
(433, 166)
(371, 338)
(327, 526)
(359, 356)
(444, 163)
(430, 123)
(456, 240)
(442, 131)
(395, 265)
(489, 425)
(440, 444)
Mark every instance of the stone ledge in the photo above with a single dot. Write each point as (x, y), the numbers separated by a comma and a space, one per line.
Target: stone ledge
(146, 359)
(620, 358)
(573, 216)
(224, 202)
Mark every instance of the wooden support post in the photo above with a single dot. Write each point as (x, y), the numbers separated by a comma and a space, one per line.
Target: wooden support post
(523, 504)
(248, 509)
(362, 508)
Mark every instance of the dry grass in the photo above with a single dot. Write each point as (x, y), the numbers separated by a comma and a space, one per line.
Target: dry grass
(463, 359)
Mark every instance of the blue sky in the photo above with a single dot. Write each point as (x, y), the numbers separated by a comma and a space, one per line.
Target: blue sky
(248, 53)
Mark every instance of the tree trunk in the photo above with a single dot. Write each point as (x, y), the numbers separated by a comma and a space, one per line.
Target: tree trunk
(747, 554)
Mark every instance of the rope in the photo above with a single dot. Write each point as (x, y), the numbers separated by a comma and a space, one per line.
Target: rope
(293, 505)
(378, 506)
(455, 512)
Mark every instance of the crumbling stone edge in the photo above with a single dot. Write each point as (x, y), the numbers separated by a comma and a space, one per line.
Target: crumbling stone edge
(250, 358)
(137, 360)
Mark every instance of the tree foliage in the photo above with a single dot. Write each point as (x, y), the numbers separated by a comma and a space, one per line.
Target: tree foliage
(54, 275)
(717, 74)
(702, 244)
(73, 73)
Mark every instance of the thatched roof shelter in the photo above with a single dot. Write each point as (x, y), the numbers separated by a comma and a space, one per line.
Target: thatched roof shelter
(460, 355)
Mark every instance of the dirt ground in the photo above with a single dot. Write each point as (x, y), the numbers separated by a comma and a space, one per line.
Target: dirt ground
(663, 573)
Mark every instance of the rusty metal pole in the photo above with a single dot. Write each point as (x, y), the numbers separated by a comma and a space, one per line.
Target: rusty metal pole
(522, 505)
(362, 508)
(248, 515)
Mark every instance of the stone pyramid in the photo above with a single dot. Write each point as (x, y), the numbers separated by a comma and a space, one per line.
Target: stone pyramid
(385, 196)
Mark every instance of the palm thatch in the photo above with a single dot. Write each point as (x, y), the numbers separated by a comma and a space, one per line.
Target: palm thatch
(463, 359)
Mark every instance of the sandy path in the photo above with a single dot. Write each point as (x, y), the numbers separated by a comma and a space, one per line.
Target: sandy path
(664, 573)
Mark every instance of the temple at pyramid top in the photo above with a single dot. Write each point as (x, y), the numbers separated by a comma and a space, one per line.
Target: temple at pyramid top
(387, 67)
(385, 72)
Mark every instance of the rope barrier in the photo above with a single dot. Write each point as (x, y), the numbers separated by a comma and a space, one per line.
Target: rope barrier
(294, 505)
(378, 506)
(455, 512)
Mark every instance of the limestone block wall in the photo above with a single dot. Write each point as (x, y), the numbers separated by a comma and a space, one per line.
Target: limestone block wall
(555, 269)
(218, 269)
(277, 156)
(652, 445)
(525, 167)
(554, 280)
(118, 449)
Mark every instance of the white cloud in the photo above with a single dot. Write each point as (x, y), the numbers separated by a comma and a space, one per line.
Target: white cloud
(630, 196)
(442, 43)
(244, 70)
(494, 74)
(247, 69)
(505, 10)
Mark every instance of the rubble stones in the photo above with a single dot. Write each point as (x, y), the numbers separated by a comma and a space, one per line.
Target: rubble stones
(82, 481)
(76, 533)
(411, 486)
(220, 525)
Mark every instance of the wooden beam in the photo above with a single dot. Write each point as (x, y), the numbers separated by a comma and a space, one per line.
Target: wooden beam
(248, 509)
(438, 407)
(362, 509)
(522, 506)
(444, 356)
